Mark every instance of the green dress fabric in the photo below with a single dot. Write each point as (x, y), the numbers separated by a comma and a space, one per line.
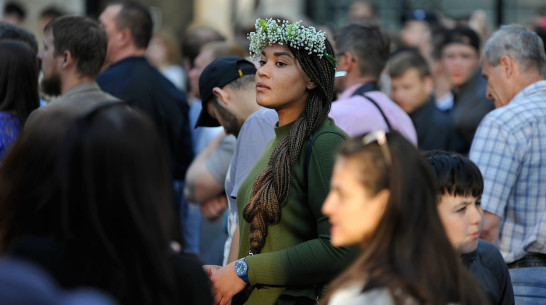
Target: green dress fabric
(297, 254)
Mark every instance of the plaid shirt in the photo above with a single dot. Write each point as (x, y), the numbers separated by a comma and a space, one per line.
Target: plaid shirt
(510, 149)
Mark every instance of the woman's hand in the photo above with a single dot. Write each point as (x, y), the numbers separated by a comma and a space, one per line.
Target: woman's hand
(210, 269)
(214, 207)
(225, 284)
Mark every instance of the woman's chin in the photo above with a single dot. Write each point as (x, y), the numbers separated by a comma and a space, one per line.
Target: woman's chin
(265, 103)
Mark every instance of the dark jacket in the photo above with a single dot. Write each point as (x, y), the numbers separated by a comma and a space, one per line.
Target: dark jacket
(488, 267)
(470, 105)
(134, 80)
(436, 129)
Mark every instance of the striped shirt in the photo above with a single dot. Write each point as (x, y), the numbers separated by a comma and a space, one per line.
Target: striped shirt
(510, 149)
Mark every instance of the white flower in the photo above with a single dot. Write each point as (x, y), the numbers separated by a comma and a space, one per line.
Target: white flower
(295, 35)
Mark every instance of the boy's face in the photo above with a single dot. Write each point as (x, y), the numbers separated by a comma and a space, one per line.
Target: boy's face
(462, 218)
(410, 91)
(460, 61)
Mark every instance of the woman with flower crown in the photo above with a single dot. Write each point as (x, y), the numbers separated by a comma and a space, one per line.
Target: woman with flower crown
(284, 246)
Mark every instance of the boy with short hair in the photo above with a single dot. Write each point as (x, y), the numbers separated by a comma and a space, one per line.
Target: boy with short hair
(459, 188)
(411, 89)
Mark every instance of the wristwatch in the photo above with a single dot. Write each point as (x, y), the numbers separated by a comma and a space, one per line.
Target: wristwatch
(241, 269)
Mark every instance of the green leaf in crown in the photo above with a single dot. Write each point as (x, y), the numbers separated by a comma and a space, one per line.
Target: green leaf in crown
(291, 31)
(263, 24)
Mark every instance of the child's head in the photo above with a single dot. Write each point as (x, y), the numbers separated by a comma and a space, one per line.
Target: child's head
(459, 186)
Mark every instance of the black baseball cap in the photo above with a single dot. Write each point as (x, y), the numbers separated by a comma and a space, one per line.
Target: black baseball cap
(219, 73)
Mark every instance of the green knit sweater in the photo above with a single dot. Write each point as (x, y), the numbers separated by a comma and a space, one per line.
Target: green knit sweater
(297, 254)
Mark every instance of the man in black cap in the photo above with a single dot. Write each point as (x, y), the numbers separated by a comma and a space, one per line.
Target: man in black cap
(460, 57)
(228, 92)
(219, 85)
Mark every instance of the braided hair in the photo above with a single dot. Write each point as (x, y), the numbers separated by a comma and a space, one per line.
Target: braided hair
(271, 188)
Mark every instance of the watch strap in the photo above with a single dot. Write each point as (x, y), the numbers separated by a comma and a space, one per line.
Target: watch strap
(244, 275)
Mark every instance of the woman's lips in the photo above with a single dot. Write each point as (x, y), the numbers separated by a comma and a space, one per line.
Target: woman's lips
(260, 87)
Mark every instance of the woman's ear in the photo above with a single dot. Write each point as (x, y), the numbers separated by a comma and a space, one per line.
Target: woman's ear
(382, 198)
(311, 86)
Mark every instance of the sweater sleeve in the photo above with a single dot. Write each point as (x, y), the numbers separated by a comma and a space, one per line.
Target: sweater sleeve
(316, 260)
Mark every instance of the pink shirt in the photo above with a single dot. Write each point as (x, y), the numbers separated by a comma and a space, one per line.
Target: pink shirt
(356, 115)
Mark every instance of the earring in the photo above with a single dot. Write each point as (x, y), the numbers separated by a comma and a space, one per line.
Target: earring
(311, 86)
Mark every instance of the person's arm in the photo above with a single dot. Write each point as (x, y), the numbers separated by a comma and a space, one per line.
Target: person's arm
(214, 207)
(497, 153)
(315, 260)
(201, 186)
(491, 227)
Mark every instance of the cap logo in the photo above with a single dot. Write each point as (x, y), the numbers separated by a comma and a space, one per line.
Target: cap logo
(240, 73)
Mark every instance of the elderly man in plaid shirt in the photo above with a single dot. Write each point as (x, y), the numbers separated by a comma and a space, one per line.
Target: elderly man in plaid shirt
(510, 149)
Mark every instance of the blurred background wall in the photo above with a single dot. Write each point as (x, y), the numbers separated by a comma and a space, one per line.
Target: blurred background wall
(229, 15)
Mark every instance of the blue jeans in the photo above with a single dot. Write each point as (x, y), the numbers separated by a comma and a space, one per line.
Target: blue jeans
(212, 240)
(190, 219)
(191, 228)
(529, 285)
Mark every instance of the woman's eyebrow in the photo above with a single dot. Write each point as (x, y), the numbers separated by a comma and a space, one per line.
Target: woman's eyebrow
(277, 54)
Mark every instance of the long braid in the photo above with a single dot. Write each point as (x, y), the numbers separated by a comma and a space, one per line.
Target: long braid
(271, 188)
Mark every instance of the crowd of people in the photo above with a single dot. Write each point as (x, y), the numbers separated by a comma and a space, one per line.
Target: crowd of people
(301, 166)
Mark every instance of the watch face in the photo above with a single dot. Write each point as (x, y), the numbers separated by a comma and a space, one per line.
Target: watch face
(241, 267)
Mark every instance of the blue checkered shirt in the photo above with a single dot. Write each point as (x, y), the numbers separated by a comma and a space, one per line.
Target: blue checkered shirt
(509, 147)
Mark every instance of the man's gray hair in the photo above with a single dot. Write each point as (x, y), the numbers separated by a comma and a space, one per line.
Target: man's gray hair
(522, 45)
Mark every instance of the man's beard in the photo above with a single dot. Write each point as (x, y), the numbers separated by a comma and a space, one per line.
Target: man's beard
(231, 123)
(51, 85)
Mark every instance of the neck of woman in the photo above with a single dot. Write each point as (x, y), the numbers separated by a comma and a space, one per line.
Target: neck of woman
(289, 114)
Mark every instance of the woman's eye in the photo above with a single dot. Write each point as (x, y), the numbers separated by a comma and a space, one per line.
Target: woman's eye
(262, 62)
(280, 64)
(461, 210)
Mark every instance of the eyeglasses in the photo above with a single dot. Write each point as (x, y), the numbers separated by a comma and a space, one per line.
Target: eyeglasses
(379, 136)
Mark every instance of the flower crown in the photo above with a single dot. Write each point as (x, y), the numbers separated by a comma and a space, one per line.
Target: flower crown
(271, 31)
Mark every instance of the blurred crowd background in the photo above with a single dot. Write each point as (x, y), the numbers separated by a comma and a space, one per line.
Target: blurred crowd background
(230, 16)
